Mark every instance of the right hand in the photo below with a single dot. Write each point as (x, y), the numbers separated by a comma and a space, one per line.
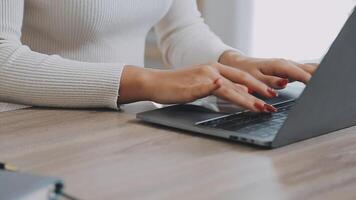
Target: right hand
(191, 83)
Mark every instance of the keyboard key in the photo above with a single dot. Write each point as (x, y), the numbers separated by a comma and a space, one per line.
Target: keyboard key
(262, 124)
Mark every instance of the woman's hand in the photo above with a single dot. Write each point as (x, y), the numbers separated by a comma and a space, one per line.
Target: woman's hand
(276, 73)
(191, 83)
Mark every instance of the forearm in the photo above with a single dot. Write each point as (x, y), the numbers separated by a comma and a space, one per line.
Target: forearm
(34, 78)
(185, 39)
(31, 78)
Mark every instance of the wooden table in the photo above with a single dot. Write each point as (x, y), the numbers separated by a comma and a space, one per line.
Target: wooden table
(110, 155)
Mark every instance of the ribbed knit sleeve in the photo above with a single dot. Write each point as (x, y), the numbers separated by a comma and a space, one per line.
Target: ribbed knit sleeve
(185, 39)
(31, 78)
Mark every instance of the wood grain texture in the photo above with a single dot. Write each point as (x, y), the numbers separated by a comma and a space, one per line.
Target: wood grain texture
(4, 107)
(109, 155)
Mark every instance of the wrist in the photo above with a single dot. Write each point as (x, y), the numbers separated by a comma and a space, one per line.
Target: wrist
(136, 84)
(231, 57)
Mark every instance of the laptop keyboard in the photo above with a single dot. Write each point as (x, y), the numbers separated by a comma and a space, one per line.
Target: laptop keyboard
(260, 124)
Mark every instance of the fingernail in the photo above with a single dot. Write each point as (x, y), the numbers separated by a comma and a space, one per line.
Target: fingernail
(250, 91)
(270, 108)
(260, 107)
(272, 92)
(283, 83)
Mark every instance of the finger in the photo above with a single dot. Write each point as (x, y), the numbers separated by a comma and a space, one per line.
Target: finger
(308, 67)
(232, 96)
(286, 69)
(244, 78)
(205, 89)
(239, 96)
(236, 86)
(258, 103)
(242, 87)
(273, 81)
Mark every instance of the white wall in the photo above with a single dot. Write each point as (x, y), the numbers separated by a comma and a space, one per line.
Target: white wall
(295, 29)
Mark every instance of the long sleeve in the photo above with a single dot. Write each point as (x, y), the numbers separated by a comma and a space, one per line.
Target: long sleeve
(32, 78)
(184, 39)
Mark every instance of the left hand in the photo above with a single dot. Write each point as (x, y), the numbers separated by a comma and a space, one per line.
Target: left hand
(275, 73)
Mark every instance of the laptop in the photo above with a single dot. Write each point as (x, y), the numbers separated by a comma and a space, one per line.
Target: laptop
(327, 104)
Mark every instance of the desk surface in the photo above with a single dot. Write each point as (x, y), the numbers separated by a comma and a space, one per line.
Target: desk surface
(109, 155)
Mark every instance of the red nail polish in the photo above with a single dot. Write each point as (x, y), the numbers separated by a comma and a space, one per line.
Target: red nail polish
(250, 91)
(259, 107)
(272, 92)
(283, 83)
(270, 108)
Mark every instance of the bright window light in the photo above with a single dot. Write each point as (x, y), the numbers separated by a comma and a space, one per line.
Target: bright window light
(297, 29)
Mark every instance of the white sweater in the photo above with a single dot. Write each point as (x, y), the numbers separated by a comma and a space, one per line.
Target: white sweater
(70, 53)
